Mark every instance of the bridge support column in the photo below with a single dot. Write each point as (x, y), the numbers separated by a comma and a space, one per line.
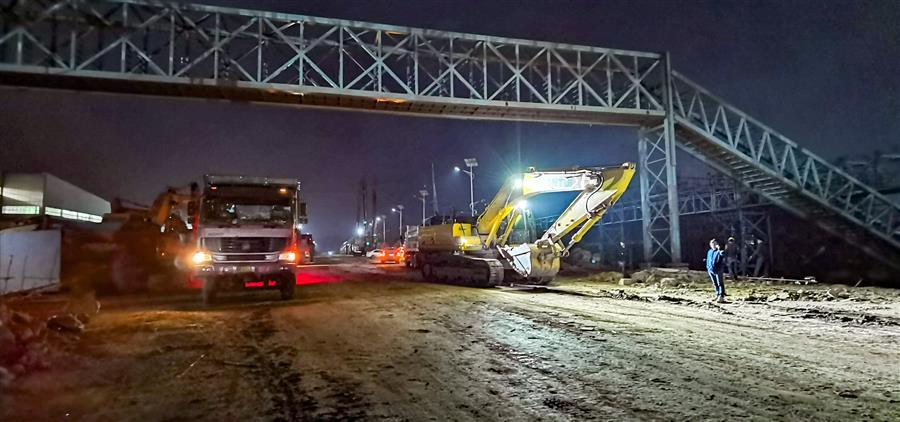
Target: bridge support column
(660, 218)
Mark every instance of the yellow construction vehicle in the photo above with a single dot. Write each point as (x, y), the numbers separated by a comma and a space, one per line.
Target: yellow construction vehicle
(483, 253)
(147, 242)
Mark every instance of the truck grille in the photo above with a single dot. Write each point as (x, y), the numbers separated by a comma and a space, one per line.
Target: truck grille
(243, 257)
(245, 244)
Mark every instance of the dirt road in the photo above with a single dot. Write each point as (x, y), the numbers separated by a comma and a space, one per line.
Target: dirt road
(371, 343)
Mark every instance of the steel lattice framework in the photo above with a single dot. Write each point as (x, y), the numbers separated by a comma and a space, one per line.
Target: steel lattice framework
(329, 62)
(150, 47)
(744, 214)
(690, 202)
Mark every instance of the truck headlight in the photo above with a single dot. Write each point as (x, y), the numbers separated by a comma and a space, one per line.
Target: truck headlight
(289, 256)
(201, 257)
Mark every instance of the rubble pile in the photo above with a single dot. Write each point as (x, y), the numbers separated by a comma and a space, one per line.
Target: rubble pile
(671, 277)
(672, 282)
(660, 277)
(824, 294)
(606, 277)
(26, 342)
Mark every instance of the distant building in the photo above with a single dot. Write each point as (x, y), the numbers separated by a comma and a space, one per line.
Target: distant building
(35, 195)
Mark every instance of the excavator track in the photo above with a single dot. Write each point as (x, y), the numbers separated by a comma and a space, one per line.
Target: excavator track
(463, 270)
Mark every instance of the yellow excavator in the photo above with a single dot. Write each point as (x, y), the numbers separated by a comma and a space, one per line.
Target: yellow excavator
(150, 241)
(482, 252)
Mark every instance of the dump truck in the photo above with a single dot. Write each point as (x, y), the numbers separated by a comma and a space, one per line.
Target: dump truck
(248, 235)
(485, 252)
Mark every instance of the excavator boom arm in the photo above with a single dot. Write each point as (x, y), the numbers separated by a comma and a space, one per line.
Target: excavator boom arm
(590, 205)
(597, 186)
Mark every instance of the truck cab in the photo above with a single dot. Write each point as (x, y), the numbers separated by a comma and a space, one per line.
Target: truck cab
(248, 234)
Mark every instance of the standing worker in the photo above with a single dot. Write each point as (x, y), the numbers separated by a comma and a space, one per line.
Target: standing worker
(715, 268)
(731, 258)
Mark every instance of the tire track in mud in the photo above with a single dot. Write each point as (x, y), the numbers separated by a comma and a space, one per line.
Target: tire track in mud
(542, 383)
(273, 368)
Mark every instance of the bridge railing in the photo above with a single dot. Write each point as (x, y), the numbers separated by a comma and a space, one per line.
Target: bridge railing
(780, 158)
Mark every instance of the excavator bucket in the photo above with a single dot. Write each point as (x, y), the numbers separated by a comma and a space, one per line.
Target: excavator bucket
(532, 262)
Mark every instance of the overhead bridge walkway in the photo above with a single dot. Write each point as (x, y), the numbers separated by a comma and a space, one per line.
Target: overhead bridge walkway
(155, 48)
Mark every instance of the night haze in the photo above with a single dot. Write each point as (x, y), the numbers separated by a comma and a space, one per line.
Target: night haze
(824, 74)
(260, 210)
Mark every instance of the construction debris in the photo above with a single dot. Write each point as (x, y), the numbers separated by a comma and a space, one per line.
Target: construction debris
(652, 283)
(607, 277)
(27, 340)
(66, 323)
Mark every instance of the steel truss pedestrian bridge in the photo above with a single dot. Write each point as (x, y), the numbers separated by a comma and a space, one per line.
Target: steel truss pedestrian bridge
(155, 48)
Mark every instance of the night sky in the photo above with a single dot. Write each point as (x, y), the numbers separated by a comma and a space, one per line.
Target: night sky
(826, 74)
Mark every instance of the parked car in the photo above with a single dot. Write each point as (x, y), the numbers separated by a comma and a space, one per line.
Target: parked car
(385, 255)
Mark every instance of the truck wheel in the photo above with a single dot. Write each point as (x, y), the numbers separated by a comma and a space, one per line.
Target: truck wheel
(209, 290)
(288, 285)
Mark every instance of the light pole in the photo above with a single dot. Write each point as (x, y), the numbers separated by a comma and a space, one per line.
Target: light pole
(366, 230)
(399, 210)
(383, 228)
(471, 163)
(375, 227)
(422, 195)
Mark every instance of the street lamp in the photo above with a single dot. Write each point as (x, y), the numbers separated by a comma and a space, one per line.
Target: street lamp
(471, 163)
(383, 220)
(375, 227)
(422, 195)
(399, 209)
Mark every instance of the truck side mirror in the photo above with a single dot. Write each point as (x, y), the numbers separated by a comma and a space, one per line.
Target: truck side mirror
(302, 217)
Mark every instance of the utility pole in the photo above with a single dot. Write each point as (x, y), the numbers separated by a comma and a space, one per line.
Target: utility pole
(434, 198)
(374, 216)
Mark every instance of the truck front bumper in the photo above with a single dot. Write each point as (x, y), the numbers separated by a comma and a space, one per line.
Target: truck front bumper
(249, 269)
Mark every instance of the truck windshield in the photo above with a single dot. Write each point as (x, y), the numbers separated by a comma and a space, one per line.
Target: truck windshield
(243, 211)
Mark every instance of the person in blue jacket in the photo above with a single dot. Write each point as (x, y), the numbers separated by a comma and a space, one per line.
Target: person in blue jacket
(715, 267)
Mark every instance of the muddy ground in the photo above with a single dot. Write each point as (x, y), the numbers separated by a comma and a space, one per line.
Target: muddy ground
(373, 343)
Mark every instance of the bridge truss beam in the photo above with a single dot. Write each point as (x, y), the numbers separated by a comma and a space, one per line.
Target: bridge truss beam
(192, 50)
